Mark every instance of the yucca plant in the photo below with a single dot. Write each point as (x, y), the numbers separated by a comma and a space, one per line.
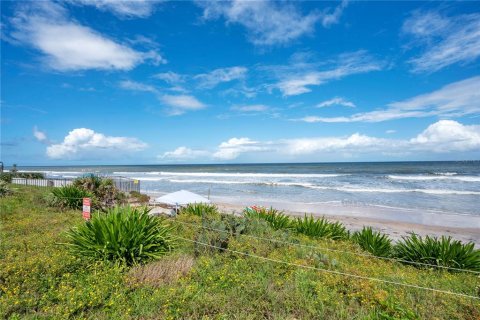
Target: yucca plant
(125, 235)
(275, 218)
(374, 242)
(443, 251)
(320, 228)
(200, 209)
(68, 197)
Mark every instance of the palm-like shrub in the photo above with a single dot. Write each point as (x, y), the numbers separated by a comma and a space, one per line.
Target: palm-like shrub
(275, 218)
(200, 209)
(4, 189)
(442, 251)
(320, 228)
(68, 197)
(104, 191)
(125, 235)
(374, 242)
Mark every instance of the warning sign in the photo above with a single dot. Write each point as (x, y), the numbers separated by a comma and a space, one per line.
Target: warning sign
(86, 208)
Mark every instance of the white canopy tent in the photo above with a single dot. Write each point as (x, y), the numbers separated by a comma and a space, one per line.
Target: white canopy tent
(181, 198)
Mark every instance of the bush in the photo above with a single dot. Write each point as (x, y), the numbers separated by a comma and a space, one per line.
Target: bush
(442, 252)
(140, 197)
(125, 235)
(320, 228)
(275, 218)
(68, 197)
(4, 189)
(200, 209)
(104, 191)
(374, 242)
(6, 177)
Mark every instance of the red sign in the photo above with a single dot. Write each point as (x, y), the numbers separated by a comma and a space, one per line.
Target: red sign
(86, 208)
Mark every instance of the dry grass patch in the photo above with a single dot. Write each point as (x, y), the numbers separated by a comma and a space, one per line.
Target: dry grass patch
(164, 271)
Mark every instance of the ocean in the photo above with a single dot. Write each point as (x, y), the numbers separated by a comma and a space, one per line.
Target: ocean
(435, 187)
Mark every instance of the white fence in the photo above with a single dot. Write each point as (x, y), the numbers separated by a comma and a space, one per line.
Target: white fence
(122, 183)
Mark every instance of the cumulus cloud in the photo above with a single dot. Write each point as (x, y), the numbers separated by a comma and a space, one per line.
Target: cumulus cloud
(444, 136)
(299, 77)
(453, 100)
(184, 153)
(39, 135)
(337, 101)
(83, 143)
(445, 40)
(122, 8)
(267, 22)
(67, 45)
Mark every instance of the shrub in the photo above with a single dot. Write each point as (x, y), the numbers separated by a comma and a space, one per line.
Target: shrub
(68, 197)
(320, 228)
(104, 191)
(6, 177)
(275, 218)
(442, 251)
(140, 197)
(125, 235)
(374, 242)
(200, 209)
(4, 189)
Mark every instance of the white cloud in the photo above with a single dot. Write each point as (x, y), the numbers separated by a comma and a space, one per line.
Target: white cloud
(448, 135)
(337, 101)
(170, 77)
(137, 86)
(232, 148)
(67, 45)
(184, 153)
(446, 40)
(251, 108)
(299, 77)
(83, 143)
(444, 136)
(123, 8)
(390, 131)
(180, 104)
(217, 76)
(453, 100)
(329, 19)
(39, 135)
(267, 22)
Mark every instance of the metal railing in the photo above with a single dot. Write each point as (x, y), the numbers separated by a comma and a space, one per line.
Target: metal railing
(121, 183)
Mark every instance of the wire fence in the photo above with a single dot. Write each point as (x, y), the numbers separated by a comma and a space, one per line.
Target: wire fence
(332, 271)
(335, 250)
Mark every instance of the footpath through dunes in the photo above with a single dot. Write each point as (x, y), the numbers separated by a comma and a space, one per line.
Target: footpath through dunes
(210, 275)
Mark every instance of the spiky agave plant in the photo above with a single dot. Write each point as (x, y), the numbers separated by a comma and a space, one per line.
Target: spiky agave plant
(125, 235)
(68, 197)
(376, 243)
(320, 228)
(200, 209)
(275, 218)
(443, 251)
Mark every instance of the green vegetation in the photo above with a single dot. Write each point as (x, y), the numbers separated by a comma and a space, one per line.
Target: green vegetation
(40, 279)
(275, 218)
(67, 197)
(123, 234)
(4, 189)
(442, 252)
(104, 193)
(139, 197)
(374, 242)
(200, 209)
(321, 228)
(7, 176)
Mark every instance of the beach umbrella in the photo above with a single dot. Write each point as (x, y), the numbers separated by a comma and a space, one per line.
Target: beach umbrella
(181, 198)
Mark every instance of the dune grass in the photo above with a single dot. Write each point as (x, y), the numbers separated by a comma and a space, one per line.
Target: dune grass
(40, 279)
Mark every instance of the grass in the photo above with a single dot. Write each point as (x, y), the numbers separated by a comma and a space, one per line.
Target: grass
(40, 279)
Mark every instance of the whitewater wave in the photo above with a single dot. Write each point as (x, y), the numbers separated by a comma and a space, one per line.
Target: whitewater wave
(438, 177)
(236, 175)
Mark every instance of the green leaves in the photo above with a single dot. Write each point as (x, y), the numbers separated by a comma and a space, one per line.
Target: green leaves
(200, 209)
(374, 242)
(123, 234)
(275, 218)
(442, 251)
(320, 228)
(68, 197)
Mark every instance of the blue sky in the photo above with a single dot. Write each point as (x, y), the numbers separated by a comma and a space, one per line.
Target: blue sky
(111, 82)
